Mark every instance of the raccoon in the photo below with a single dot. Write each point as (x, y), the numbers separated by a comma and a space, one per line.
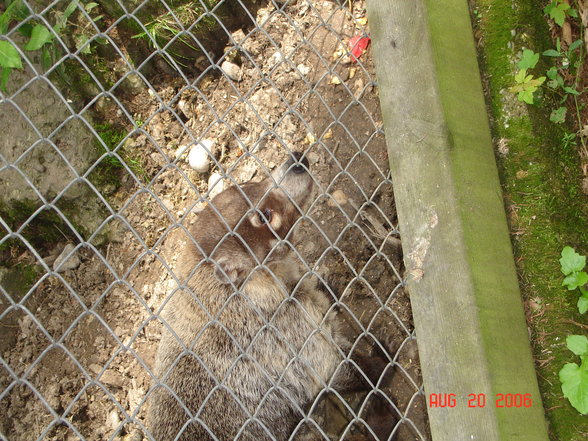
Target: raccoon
(248, 341)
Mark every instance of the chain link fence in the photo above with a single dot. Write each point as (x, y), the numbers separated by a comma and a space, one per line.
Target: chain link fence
(121, 121)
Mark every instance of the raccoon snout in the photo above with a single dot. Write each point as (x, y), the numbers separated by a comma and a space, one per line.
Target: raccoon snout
(299, 162)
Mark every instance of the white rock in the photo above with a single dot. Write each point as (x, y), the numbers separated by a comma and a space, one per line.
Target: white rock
(215, 184)
(304, 70)
(276, 58)
(232, 71)
(71, 263)
(198, 157)
(114, 419)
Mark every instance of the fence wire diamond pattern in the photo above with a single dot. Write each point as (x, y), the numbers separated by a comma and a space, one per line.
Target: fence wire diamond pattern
(121, 121)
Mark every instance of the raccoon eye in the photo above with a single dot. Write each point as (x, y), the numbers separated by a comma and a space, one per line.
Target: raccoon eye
(266, 217)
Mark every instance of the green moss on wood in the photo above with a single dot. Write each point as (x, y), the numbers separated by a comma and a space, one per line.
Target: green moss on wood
(541, 181)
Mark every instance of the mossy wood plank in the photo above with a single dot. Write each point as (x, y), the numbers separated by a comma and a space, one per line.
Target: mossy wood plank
(466, 302)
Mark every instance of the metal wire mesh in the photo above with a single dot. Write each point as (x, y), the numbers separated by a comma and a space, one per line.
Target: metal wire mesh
(100, 192)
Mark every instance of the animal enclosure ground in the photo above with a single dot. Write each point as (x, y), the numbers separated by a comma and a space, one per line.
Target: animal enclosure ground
(77, 356)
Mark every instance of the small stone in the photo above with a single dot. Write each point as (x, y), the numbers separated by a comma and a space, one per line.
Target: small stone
(310, 138)
(215, 184)
(114, 419)
(95, 368)
(38, 167)
(112, 378)
(338, 198)
(133, 84)
(238, 36)
(60, 265)
(232, 71)
(276, 58)
(304, 70)
(167, 203)
(335, 80)
(313, 157)
(198, 158)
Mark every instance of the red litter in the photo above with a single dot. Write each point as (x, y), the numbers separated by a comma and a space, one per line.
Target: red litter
(357, 46)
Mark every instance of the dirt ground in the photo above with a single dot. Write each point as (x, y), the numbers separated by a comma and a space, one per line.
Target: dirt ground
(77, 363)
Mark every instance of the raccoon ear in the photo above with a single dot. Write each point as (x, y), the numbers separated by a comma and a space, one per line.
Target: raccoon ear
(229, 271)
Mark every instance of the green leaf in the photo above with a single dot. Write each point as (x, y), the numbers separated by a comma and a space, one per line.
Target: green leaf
(4, 22)
(528, 60)
(9, 56)
(16, 11)
(39, 37)
(571, 261)
(526, 96)
(578, 344)
(520, 76)
(19, 10)
(574, 385)
(46, 59)
(62, 19)
(576, 279)
(582, 304)
(4, 78)
(90, 6)
(551, 53)
(558, 115)
(575, 45)
(80, 41)
(70, 9)
(517, 88)
(538, 81)
(571, 91)
(551, 73)
(26, 29)
(573, 13)
(558, 15)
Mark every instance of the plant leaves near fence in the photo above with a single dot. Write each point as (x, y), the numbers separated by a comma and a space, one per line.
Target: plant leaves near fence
(578, 344)
(9, 56)
(62, 19)
(558, 115)
(571, 261)
(574, 385)
(574, 378)
(575, 280)
(529, 59)
(551, 53)
(4, 75)
(39, 37)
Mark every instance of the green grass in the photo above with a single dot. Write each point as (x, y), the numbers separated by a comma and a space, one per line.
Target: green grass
(164, 28)
(541, 182)
(110, 170)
